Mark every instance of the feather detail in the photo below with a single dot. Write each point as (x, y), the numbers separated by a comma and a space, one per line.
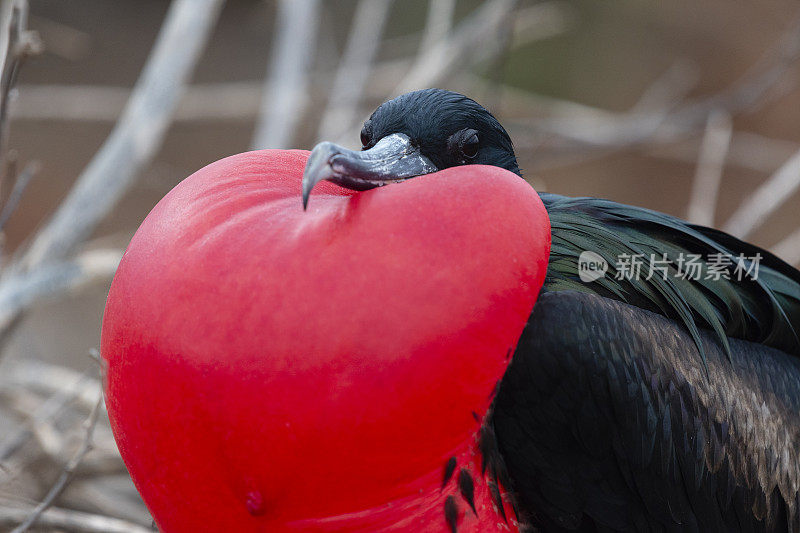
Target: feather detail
(722, 297)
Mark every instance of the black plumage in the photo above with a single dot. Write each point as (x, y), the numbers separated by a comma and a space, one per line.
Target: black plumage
(433, 120)
(607, 420)
(449, 468)
(660, 403)
(451, 513)
(763, 306)
(467, 488)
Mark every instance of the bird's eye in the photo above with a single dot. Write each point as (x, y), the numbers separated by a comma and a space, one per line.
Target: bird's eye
(470, 145)
(365, 137)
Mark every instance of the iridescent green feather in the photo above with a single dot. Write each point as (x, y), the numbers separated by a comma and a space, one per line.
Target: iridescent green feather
(764, 308)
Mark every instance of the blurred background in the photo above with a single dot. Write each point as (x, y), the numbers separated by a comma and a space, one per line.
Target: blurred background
(692, 108)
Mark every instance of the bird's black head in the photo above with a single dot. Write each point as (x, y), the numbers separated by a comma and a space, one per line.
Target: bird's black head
(449, 129)
(414, 134)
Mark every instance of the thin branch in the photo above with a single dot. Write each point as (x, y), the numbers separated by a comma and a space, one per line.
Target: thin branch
(286, 84)
(236, 100)
(97, 103)
(70, 102)
(754, 87)
(21, 289)
(433, 65)
(541, 20)
(789, 248)
(354, 68)
(68, 472)
(48, 410)
(600, 128)
(20, 185)
(75, 521)
(438, 23)
(50, 379)
(747, 150)
(109, 502)
(767, 199)
(62, 39)
(494, 66)
(710, 165)
(137, 135)
(17, 43)
(669, 88)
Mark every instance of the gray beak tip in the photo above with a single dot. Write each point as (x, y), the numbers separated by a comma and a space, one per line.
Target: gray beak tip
(318, 168)
(392, 159)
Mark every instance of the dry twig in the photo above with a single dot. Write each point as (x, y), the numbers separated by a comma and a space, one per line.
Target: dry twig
(47, 411)
(713, 151)
(747, 150)
(354, 68)
(584, 126)
(286, 84)
(93, 487)
(67, 520)
(20, 185)
(767, 199)
(17, 43)
(19, 290)
(67, 473)
(49, 379)
(432, 65)
(137, 135)
(438, 23)
(789, 248)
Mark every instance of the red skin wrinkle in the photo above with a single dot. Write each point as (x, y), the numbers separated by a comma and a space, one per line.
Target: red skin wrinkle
(271, 369)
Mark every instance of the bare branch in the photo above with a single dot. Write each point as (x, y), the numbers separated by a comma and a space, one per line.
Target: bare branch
(438, 23)
(286, 83)
(600, 128)
(90, 487)
(789, 248)
(62, 39)
(49, 409)
(20, 184)
(669, 88)
(434, 64)
(90, 103)
(237, 100)
(541, 20)
(754, 87)
(50, 379)
(354, 68)
(16, 44)
(67, 473)
(63, 519)
(20, 289)
(70, 102)
(713, 151)
(137, 135)
(767, 199)
(747, 150)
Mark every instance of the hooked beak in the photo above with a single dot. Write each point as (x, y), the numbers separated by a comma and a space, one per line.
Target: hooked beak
(392, 159)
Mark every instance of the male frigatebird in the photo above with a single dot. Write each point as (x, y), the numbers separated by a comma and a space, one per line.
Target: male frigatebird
(666, 401)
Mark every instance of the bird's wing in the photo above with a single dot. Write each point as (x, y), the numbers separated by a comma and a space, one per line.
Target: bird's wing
(607, 420)
(759, 301)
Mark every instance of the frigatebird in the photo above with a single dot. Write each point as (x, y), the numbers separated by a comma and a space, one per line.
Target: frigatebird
(663, 401)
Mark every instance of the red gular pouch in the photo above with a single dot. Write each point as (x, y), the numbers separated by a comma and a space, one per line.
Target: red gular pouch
(274, 369)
